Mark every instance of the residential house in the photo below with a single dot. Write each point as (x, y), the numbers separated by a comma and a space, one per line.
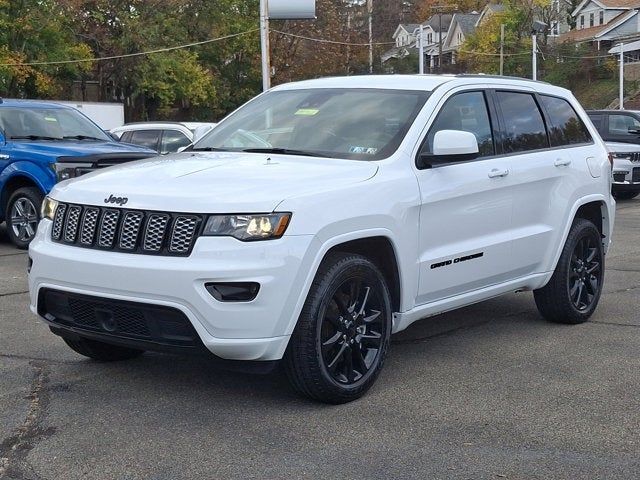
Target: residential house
(604, 23)
(462, 25)
(406, 38)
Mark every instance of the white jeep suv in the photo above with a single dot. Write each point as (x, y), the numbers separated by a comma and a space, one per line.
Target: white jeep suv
(325, 215)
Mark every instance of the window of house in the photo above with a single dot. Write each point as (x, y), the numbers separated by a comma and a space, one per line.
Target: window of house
(525, 128)
(601, 17)
(581, 21)
(429, 38)
(591, 16)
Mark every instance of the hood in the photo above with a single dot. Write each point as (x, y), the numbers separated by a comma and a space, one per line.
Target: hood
(220, 182)
(77, 148)
(622, 147)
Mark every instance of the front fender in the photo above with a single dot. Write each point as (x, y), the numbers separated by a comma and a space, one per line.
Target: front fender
(40, 175)
(319, 249)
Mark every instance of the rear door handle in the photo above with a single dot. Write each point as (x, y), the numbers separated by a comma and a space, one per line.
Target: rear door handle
(562, 162)
(495, 173)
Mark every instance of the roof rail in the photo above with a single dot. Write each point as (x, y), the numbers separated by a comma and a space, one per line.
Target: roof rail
(484, 75)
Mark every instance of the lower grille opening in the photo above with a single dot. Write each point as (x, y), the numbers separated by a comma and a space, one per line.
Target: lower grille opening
(117, 318)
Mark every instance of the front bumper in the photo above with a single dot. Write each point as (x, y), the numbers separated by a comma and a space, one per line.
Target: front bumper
(626, 175)
(255, 330)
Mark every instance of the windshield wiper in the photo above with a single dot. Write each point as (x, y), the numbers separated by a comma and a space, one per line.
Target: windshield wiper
(207, 149)
(33, 137)
(282, 151)
(81, 137)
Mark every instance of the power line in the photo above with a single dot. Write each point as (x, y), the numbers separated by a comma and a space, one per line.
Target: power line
(128, 55)
(493, 54)
(333, 42)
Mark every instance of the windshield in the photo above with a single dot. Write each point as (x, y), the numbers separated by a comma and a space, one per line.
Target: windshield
(24, 123)
(360, 124)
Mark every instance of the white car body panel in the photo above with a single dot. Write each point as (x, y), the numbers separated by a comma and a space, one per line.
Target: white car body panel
(519, 222)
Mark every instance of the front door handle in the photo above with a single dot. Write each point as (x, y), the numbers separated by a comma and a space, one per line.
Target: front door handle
(496, 173)
(562, 162)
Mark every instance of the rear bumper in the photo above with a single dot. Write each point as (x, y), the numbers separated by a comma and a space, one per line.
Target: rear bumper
(254, 330)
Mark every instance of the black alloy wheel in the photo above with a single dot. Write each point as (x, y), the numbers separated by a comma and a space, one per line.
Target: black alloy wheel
(573, 292)
(585, 275)
(341, 340)
(352, 330)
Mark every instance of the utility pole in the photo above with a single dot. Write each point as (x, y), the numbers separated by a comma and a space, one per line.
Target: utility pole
(421, 51)
(440, 9)
(264, 43)
(621, 76)
(502, 49)
(370, 11)
(534, 56)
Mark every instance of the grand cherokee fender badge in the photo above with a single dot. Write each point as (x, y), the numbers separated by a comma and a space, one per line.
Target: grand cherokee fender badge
(466, 258)
(117, 200)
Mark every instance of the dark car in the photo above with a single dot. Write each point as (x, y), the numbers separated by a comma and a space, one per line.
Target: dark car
(617, 125)
(41, 144)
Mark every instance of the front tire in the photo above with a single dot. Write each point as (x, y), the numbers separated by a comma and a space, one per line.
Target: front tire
(573, 293)
(22, 215)
(101, 351)
(339, 345)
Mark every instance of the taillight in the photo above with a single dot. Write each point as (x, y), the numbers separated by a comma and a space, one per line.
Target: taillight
(611, 159)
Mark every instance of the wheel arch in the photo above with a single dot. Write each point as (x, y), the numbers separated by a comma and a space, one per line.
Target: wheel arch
(360, 242)
(595, 208)
(12, 184)
(380, 250)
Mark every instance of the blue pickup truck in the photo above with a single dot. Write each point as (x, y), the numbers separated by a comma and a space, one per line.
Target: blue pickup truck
(40, 144)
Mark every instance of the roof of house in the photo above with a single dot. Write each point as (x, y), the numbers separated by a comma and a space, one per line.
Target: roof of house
(608, 4)
(467, 21)
(434, 21)
(594, 32)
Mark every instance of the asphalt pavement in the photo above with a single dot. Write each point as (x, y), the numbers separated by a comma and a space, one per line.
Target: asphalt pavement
(486, 392)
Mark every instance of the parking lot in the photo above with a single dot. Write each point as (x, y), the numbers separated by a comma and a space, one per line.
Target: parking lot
(489, 391)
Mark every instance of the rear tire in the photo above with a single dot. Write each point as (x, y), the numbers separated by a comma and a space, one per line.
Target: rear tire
(22, 215)
(339, 345)
(101, 351)
(625, 195)
(573, 293)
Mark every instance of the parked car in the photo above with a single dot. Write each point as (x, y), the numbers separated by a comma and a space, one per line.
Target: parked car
(163, 137)
(626, 170)
(41, 143)
(622, 126)
(324, 215)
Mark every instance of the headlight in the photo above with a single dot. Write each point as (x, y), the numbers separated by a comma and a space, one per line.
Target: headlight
(248, 227)
(65, 173)
(48, 209)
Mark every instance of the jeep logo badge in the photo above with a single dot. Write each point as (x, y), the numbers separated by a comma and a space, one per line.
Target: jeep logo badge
(117, 200)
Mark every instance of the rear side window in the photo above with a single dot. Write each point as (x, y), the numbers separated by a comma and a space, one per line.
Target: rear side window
(597, 121)
(146, 138)
(172, 141)
(524, 126)
(467, 112)
(623, 124)
(565, 127)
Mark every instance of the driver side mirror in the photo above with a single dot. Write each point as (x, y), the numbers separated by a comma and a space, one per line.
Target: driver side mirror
(450, 146)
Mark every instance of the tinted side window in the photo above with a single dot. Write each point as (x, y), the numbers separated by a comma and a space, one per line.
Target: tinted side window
(597, 121)
(146, 138)
(524, 126)
(173, 140)
(566, 127)
(621, 124)
(126, 137)
(467, 112)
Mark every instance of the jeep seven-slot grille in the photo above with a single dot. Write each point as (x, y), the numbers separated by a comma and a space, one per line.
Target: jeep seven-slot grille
(132, 231)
